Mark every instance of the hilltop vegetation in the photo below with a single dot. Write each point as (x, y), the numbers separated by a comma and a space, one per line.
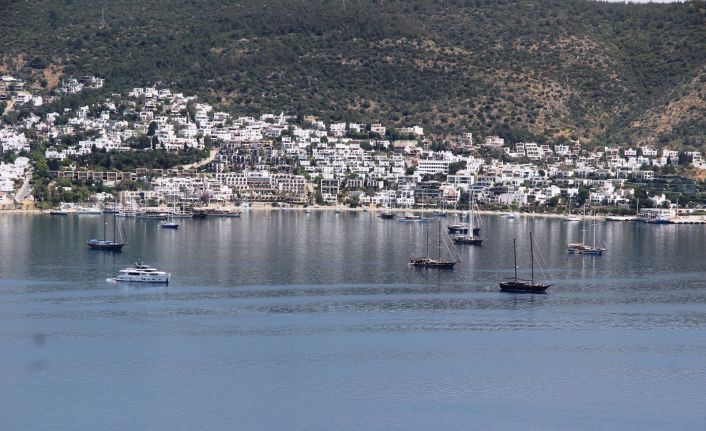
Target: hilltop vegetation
(547, 70)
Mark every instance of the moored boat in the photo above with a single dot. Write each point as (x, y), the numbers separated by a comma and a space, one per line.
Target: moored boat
(88, 211)
(583, 248)
(108, 244)
(143, 274)
(463, 237)
(523, 286)
(432, 262)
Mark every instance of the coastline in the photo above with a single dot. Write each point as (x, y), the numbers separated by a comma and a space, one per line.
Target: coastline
(342, 209)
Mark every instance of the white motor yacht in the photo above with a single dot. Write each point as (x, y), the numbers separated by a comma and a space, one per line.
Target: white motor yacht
(143, 274)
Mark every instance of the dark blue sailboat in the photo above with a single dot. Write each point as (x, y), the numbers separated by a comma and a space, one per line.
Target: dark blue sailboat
(108, 244)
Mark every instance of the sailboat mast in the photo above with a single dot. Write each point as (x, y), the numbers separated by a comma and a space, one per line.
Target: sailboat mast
(514, 253)
(532, 255)
(427, 241)
(104, 224)
(114, 238)
(470, 207)
(439, 241)
(583, 225)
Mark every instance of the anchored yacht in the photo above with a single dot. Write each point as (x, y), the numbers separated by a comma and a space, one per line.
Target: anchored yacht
(143, 274)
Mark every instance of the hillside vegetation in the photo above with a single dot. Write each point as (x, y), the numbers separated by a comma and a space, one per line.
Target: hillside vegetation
(538, 69)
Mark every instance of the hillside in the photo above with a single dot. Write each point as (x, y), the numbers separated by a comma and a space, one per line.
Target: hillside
(536, 69)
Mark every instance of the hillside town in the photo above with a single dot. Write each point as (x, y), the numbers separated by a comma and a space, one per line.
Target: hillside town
(280, 159)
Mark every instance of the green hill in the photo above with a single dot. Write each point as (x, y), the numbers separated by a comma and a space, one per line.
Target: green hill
(536, 69)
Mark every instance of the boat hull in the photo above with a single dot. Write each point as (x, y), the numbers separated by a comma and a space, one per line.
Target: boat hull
(105, 245)
(423, 262)
(144, 278)
(523, 287)
(467, 240)
(462, 230)
(584, 250)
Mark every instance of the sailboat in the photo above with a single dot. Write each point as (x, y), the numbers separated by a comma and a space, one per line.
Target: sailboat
(523, 286)
(107, 244)
(471, 236)
(170, 224)
(569, 216)
(463, 228)
(582, 247)
(430, 262)
(387, 214)
(441, 211)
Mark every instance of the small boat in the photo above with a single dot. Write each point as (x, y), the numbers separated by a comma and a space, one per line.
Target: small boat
(143, 274)
(108, 244)
(663, 219)
(171, 224)
(467, 239)
(58, 212)
(413, 219)
(509, 215)
(151, 216)
(523, 286)
(619, 218)
(410, 218)
(307, 211)
(431, 262)
(227, 214)
(337, 211)
(199, 214)
(585, 249)
(88, 211)
(438, 213)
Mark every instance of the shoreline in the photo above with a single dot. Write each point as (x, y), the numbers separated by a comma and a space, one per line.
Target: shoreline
(397, 211)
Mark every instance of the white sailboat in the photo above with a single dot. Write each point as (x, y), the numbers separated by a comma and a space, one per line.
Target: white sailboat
(582, 247)
(471, 236)
(569, 216)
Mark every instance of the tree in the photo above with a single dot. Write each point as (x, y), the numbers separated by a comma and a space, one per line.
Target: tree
(53, 18)
(583, 196)
(455, 167)
(152, 128)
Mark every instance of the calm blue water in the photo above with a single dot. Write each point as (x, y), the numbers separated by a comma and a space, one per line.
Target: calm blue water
(281, 320)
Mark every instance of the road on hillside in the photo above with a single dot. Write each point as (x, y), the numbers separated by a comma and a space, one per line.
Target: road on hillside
(209, 159)
(24, 189)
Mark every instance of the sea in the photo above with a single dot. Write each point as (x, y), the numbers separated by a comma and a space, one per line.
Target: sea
(281, 320)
